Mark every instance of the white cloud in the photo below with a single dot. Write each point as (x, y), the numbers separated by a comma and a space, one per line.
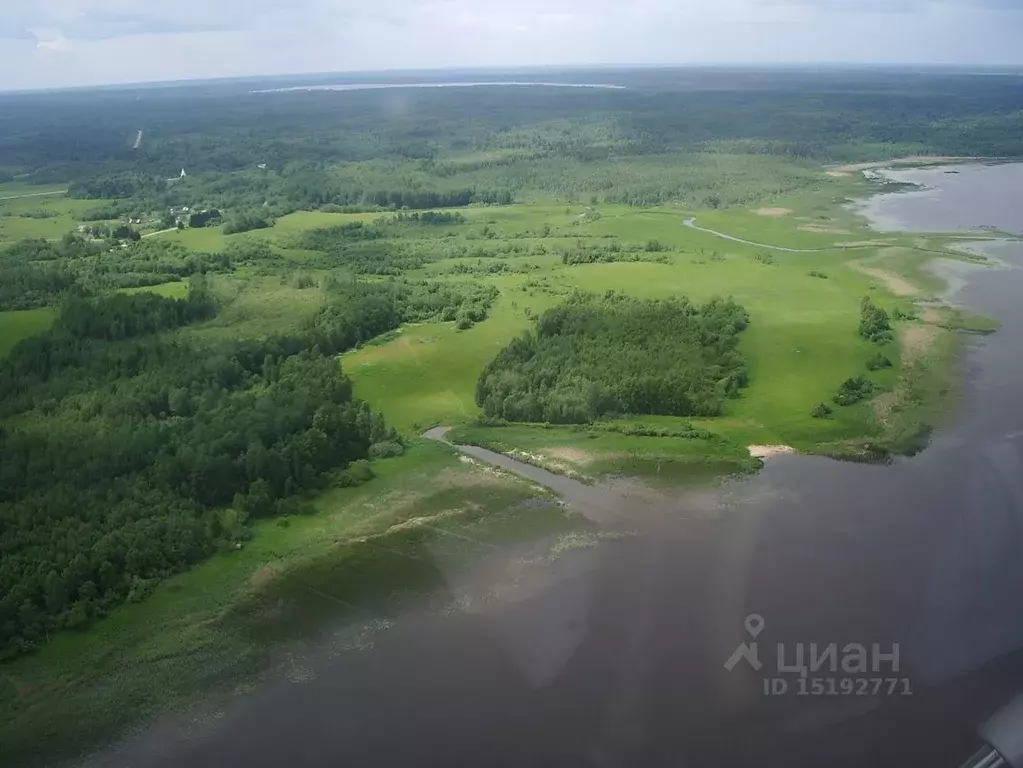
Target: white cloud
(133, 40)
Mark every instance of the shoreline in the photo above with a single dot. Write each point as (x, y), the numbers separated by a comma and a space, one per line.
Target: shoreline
(868, 207)
(964, 252)
(909, 160)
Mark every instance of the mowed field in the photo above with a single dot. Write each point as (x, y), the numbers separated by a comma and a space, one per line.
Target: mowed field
(37, 212)
(283, 234)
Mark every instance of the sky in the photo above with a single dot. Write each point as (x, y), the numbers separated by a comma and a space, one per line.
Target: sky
(58, 43)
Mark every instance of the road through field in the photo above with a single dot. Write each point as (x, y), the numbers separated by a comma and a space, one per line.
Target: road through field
(691, 223)
(161, 232)
(35, 194)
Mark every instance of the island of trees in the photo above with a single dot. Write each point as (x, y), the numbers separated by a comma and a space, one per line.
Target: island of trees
(596, 356)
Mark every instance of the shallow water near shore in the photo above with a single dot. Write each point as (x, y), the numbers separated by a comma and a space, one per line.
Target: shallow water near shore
(615, 654)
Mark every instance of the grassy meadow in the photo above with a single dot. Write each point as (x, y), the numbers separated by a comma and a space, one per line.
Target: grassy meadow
(802, 342)
(37, 212)
(178, 290)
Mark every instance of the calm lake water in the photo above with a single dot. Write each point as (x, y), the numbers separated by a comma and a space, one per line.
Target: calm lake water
(952, 198)
(616, 655)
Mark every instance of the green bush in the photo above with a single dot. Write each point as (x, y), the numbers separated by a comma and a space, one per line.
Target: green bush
(877, 362)
(821, 411)
(386, 449)
(854, 390)
(357, 473)
(874, 323)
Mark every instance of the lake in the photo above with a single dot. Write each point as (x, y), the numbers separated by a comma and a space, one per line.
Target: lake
(616, 655)
(973, 196)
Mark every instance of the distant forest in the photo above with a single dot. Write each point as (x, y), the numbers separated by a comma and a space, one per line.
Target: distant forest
(451, 147)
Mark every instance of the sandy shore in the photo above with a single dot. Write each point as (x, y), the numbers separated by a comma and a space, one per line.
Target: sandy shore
(769, 451)
(846, 170)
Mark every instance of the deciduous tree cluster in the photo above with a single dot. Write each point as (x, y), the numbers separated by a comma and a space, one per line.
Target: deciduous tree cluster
(593, 356)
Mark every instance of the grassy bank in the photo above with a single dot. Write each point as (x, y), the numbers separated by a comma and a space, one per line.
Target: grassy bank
(671, 455)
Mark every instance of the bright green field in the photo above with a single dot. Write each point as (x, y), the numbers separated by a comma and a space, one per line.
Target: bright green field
(18, 221)
(20, 324)
(176, 290)
(801, 344)
(428, 374)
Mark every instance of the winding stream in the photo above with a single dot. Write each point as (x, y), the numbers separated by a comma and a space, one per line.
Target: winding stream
(618, 657)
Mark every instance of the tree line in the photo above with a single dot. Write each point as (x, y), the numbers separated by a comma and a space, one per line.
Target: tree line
(124, 316)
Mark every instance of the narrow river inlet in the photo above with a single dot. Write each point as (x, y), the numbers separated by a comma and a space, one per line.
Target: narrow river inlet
(641, 651)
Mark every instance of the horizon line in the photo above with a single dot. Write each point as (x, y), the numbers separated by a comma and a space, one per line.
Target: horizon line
(987, 69)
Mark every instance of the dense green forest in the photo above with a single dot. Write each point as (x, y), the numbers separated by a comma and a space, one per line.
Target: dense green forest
(143, 453)
(591, 357)
(37, 273)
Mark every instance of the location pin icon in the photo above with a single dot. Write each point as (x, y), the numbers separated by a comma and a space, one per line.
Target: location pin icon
(754, 624)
